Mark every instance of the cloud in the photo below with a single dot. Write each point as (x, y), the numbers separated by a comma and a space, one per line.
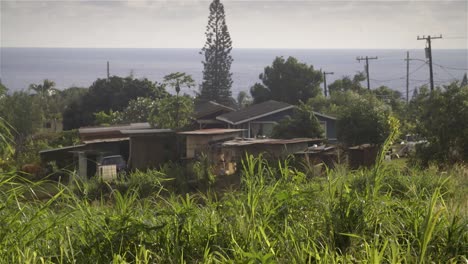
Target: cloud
(267, 24)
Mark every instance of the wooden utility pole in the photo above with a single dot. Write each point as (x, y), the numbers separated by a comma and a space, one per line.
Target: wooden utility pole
(325, 81)
(367, 67)
(429, 56)
(407, 76)
(108, 71)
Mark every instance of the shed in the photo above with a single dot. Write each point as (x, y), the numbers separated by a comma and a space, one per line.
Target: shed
(85, 157)
(362, 156)
(150, 148)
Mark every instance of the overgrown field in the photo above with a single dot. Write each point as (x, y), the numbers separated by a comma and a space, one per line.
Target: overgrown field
(277, 215)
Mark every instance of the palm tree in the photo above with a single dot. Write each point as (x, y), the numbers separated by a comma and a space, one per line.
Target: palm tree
(44, 91)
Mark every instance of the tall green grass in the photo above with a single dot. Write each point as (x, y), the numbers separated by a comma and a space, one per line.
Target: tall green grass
(277, 215)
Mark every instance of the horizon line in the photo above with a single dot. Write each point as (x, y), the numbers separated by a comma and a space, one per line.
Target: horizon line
(180, 48)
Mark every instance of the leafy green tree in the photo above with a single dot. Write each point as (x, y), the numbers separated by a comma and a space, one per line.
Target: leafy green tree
(243, 100)
(441, 118)
(105, 95)
(217, 78)
(22, 112)
(3, 89)
(138, 110)
(288, 80)
(176, 80)
(391, 97)
(172, 112)
(347, 84)
(302, 123)
(363, 120)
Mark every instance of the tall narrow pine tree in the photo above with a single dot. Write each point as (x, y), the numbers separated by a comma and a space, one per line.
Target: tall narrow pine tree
(217, 81)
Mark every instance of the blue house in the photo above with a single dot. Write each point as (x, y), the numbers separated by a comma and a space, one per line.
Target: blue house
(258, 120)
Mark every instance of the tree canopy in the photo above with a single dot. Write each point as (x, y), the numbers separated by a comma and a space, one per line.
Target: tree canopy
(363, 120)
(441, 118)
(106, 95)
(217, 76)
(287, 80)
(347, 84)
(172, 112)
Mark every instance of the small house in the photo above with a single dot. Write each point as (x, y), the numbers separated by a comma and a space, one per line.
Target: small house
(258, 120)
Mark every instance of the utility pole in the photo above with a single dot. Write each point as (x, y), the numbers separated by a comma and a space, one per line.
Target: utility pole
(108, 71)
(325, 81)
(429, 56)
(367, 67)
(407, 76)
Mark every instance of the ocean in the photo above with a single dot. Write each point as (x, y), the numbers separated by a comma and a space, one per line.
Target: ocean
(67, 67)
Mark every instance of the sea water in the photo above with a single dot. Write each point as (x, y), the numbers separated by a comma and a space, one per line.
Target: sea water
(67, 67)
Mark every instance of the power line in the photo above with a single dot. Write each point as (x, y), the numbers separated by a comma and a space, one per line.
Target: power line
(417, 69)
(447, 67)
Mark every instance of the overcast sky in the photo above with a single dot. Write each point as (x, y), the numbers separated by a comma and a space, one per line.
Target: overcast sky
(252, 24)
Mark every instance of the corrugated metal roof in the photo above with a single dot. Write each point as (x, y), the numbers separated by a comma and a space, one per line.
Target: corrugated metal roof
(105, 140)
(269, 141)
(211, 131)
(101, 129)
(145, 131)
(60, 149)
(254, 112)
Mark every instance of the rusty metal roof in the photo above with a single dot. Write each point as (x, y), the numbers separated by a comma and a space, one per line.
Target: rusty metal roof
(145, 131)
(211, 131)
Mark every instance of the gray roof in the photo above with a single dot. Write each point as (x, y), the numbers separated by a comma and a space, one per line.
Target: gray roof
(254, 112)
(212, 131)
(209, 108)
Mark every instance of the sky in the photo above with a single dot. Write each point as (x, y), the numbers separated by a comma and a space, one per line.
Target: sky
(252, 24)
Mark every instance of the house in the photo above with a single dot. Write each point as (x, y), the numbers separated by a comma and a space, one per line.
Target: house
(258, 120)
(205, 114)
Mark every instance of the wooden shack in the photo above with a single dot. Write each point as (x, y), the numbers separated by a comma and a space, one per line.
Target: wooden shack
(150, 148)
(362, 156)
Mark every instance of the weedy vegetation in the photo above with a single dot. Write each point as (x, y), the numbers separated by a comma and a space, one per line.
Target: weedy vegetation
(279, 214)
